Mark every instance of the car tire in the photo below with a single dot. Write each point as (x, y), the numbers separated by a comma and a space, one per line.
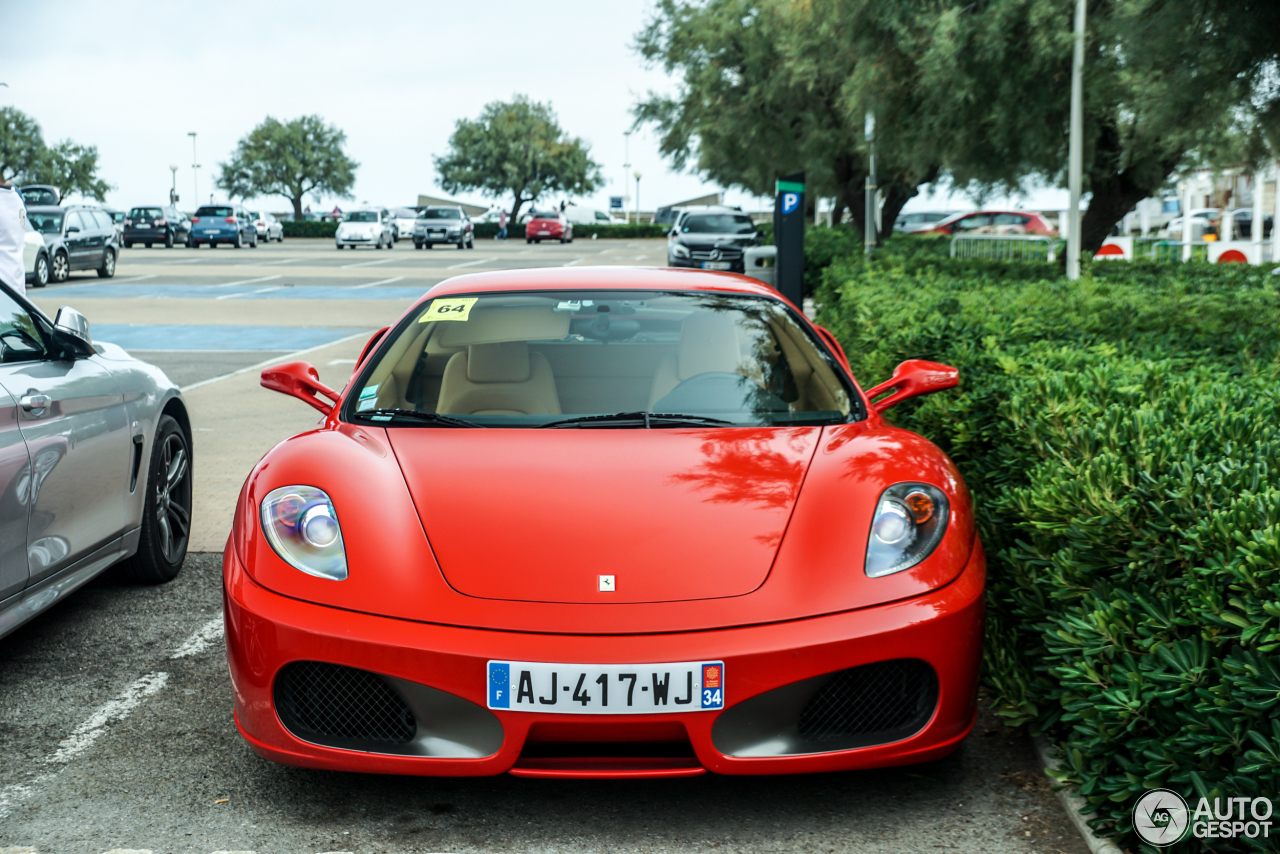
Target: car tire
(166, 508)
(428, 246)
(417, 245)
(564, 240)
(61, 268)
(254, 244)
(392, 243)
(148, 245)
(168, 240)
(128, 244)
(238, 242)
(108, 268)
(41, 271)
(471, 241)
(528, 240)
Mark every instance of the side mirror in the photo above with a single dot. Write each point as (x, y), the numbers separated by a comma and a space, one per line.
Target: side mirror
(72, 229)
(913, 378)
(301, 380)
(71, 331)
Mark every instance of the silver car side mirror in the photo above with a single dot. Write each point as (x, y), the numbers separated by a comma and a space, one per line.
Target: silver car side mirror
(74, 324)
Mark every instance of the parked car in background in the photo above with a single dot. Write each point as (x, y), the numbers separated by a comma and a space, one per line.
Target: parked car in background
(117, 217)
(548, 225)
(1203, 221)
(711, 238)
(95, 462)
(231, 224)
(40, 194)
(667, 216)
(588, 216)
(371, 227)
(268, 227)
(992, 222)
(402, 222)
(919, 220)
(35, 258)
(1242, 223)
(152, 224)
(443, 224)
(76, 237)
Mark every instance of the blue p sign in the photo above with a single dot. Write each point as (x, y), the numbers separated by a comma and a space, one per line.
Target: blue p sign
(789, 202)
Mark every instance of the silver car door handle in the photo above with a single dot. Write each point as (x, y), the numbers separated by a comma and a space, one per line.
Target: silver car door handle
(35, 403)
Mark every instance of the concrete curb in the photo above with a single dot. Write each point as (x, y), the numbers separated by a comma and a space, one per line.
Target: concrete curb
(1073, 803)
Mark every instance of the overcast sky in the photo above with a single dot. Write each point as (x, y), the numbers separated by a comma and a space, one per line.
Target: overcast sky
(134, 79)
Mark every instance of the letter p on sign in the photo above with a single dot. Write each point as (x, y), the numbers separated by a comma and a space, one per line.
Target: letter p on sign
(789, 202)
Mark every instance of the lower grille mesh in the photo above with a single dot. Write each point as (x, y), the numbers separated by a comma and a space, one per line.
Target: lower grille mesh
(882, 697)
(315, 698)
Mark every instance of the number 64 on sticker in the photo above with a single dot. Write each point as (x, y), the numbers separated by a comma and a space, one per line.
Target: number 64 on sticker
(454, 308)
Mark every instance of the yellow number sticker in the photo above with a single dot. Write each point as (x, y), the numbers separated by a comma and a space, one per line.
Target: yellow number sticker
(457, 308)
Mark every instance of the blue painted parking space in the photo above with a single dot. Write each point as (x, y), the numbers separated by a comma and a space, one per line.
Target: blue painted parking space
(218, 338)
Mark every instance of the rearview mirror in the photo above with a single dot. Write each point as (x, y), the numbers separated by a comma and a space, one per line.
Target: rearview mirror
(71, 333)
(300, 380)
(913, 378)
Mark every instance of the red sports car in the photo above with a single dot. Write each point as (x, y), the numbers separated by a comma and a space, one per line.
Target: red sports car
(604, 523)
(548, 225)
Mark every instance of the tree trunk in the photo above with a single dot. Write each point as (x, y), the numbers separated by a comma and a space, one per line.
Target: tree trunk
(297, 208)
(1115, 191)
(515, 209)
(899, 193)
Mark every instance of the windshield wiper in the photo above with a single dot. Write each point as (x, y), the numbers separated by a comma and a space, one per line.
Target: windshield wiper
(384, 415)
(640, 418)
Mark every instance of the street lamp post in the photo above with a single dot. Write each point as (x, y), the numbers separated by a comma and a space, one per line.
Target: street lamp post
(1075, 147)
(869, 236)
(626, 166)
(173, 191)
(195, 173)
(637, 197)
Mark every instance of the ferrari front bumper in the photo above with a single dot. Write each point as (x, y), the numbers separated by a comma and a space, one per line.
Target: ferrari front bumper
(771, 672)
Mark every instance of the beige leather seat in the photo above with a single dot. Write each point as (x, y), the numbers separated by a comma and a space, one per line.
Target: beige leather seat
(498, 379)
(708, 342)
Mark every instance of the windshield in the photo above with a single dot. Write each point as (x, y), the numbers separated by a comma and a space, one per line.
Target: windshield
(38, 196)
(211, 210)
(46, 223)
(361, 216)
(532, 359)
(441, 213)
(145, 213)
(717, 224)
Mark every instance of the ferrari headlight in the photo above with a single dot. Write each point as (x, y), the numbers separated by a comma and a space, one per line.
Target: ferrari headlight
(909, 523)
(680, 250)
(302, 526)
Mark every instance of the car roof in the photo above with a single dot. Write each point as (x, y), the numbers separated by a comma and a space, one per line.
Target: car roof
(600, 278)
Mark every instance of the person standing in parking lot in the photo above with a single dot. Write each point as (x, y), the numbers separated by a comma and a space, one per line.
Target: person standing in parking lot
(13, 228)
(502, 225)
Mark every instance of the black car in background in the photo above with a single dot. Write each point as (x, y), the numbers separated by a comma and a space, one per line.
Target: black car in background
(78, 237)
(711, 239)
(151, 224)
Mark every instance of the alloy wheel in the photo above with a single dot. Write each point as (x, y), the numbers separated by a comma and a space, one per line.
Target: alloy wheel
(173, 497)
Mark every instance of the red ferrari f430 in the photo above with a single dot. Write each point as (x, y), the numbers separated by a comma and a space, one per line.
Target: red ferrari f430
(604, 523)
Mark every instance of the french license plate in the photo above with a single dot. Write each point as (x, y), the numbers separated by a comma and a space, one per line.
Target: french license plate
(716, 265)
(211, 231)
(606, 689)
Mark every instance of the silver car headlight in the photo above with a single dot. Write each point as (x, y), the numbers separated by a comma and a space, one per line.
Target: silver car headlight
(909, 523)
(302, 526)
(680, 250)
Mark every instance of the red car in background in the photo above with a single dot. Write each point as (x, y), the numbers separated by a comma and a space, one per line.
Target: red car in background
(604, 523)
(548, 225)
(992, 222)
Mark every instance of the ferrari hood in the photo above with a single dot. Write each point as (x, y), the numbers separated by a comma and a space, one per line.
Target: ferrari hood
(604, 515)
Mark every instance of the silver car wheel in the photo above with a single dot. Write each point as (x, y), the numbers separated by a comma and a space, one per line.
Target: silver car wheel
(173, 519)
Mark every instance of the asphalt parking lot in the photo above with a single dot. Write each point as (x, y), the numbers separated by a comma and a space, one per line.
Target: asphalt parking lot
(115, 707)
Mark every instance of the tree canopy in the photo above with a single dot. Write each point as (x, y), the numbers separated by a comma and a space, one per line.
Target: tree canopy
(290, 159)
(25, 158)
(976, 92)
(516, 147)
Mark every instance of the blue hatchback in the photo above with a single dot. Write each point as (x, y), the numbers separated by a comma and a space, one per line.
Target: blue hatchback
(214, 224)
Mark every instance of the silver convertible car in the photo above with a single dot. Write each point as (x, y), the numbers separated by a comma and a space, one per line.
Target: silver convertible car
(95, 462)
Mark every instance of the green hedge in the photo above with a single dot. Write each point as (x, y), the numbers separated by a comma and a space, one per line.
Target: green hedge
(1121, 436)
(309, 229)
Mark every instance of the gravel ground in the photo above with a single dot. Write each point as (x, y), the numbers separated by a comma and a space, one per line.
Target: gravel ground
(171, 774)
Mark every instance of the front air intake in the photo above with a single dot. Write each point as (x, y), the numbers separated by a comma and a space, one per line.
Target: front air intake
(341, 706)
(888, 697)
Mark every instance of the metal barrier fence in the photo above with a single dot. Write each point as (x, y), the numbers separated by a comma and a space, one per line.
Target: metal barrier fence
(1007, 247)
(1160, 249)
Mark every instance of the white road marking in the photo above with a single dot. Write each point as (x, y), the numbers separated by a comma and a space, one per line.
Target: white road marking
(131, 279)
(187, 261)
(278, 360)
(282, 261)
(369, 263)
(574, 261)
(247, 293)
(200, 639)
(247, 281)
(83, 736)
(470, 263)
(375, 284)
